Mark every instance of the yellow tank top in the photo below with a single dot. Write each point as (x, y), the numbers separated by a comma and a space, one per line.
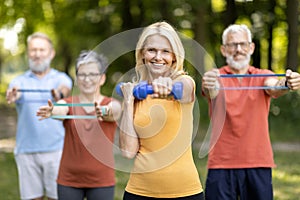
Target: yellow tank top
(164, 166)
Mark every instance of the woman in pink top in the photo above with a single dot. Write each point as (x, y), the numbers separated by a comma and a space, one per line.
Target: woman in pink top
(87, 164)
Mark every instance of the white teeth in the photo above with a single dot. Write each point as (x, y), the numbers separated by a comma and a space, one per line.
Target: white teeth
(158, 64)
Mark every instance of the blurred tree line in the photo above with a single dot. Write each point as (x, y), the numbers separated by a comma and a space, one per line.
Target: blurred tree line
(82, 24)
(75, 25)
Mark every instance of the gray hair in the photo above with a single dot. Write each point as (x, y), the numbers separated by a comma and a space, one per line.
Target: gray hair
(236, 28)
(39, 35)
(88, 56)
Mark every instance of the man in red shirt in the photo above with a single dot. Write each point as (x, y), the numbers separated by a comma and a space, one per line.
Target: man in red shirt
(241, 157)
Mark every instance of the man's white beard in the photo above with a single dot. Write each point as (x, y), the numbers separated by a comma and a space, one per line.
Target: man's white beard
(41, 67)
(238, 65)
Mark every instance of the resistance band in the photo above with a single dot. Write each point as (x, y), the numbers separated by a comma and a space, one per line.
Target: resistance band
(252, 87)
(74, 104)
(33, 100)
(74, 117)
(33, 90)
(104, 111)
(248, 75)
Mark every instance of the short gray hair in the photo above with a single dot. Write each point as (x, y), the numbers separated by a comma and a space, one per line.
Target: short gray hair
(236, 28)
(39, 35)
(88, 56)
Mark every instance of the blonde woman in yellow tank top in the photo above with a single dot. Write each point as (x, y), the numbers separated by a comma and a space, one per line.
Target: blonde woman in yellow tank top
(157, 131)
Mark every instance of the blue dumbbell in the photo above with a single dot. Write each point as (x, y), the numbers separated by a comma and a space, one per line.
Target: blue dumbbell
(141, 90)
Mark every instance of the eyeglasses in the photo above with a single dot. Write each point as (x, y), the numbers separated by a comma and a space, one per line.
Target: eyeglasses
(91, 76)
(234, 45)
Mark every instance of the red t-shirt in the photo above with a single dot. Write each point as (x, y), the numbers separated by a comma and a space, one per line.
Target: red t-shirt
(240, 135)
(87, 159)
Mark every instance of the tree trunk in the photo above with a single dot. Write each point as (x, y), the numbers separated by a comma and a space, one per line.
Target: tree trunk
(270, 31)
(126, 15)
(256, 57)
(67, 56)
(166, 14)
(141, 18)
(200, 36)
(231, 13)
(293, 34)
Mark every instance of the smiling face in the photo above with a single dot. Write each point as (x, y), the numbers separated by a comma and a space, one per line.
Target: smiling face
(237, 50)
(40, 54)
(158, 56)
(89, 78)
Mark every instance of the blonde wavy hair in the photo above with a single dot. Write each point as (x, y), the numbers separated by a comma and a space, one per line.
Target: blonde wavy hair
(166, 30)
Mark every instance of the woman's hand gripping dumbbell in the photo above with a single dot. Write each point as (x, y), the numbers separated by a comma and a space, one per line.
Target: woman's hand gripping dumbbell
(142, 89)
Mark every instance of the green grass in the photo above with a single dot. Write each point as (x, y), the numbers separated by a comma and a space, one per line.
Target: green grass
(9, 188)
(283, 126)
(286, 177)
(121, 178)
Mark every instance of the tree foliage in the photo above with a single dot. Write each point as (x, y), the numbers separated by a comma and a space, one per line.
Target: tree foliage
(83, 24)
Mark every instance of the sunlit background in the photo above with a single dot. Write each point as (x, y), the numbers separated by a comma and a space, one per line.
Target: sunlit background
(75, 25)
